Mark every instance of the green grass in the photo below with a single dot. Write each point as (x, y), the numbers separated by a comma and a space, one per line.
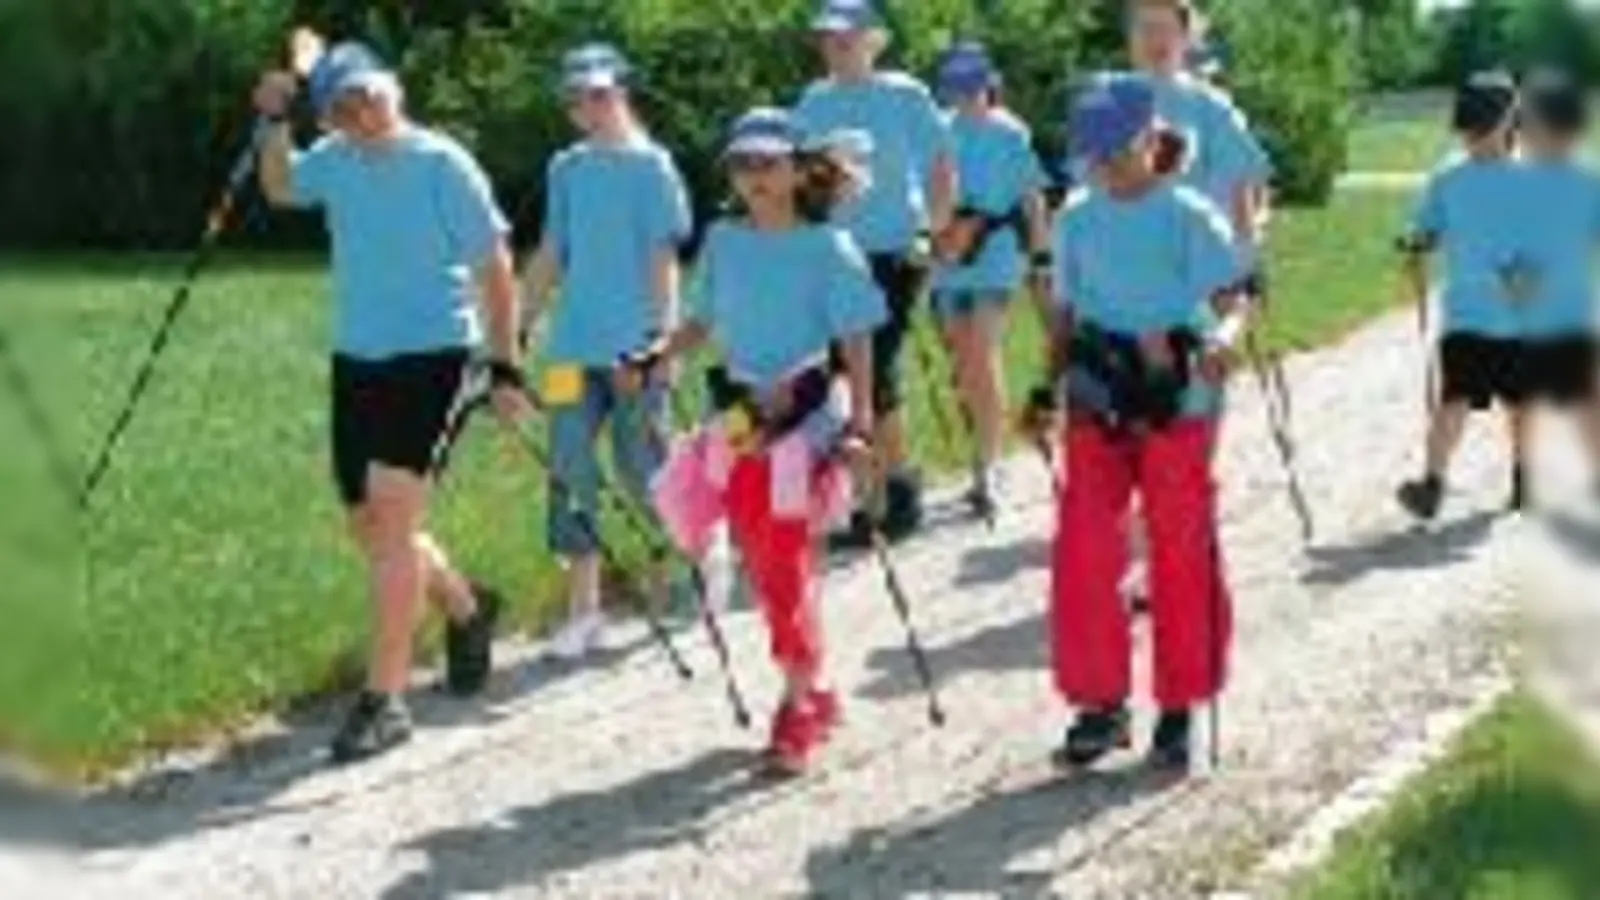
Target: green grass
(216, 581)
(1512, 814)
(1401, 133)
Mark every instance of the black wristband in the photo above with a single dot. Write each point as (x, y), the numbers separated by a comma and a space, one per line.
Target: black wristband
(1041, 259)
(506, 374)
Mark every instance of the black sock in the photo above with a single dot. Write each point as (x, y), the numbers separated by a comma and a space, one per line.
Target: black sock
(1434, 483)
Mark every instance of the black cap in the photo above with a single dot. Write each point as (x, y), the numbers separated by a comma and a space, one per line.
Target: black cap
(1485, 102)
(1554, 101)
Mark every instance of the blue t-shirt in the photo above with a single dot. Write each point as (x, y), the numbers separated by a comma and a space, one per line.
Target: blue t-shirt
(409, 222)
(1222, 152)
(609, 210)
(775, 300)
(908, 135)
(1562, 228)
(1147, 264)
(1473, 210)
(996, 168)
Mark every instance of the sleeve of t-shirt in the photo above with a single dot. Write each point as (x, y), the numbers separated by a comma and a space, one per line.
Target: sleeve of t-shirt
(855, 304)
(930, 131)
(701, 287)
(1428, 220)
(1240, 157)
(311, 174)
(667, 204)
(472, 218)
(555, 207)
(1025, 166)
(1063, 247)
(1210, 256)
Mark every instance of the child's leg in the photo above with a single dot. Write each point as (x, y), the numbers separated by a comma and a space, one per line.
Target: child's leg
(777, 557)
(1444, 437)
(1519, 428)
(1189, 605)
(1090, 640)
(638, 450)
(572, 515)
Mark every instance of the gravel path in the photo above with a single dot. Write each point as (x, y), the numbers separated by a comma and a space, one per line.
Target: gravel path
(620, 782)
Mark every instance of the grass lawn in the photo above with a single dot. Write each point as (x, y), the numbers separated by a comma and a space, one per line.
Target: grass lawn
(1401, 133)
(212, 579)
(1514, 812)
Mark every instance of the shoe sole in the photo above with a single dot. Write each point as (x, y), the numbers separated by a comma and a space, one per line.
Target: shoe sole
(1065, 761)
(339, 757)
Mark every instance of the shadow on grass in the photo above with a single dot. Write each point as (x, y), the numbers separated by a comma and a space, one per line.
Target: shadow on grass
(524, 847)
(1410, 550)
(972, 851)
(242, 783)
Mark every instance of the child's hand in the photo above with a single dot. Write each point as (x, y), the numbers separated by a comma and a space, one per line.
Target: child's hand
(1217, 362)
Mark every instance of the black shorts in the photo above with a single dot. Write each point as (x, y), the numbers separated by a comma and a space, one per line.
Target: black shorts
(398, 412)
(1562, 370)
(1480, 371)
(901, 281)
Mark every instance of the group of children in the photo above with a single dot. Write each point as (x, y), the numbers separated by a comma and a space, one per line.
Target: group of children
(806, 289)
(1513, 217)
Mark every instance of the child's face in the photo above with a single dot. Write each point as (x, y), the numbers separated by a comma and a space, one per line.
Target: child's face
(1134, 165)
(1157, 37)
(764, 182)
(592, 109)
(847, 52)
(359, 115)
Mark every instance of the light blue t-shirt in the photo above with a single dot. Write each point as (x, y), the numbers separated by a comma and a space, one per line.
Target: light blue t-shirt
(1147, 264)
(609, 210)
(1474, 209)
(996, 168)
(1562, 229)
(775, 300)
(1222, 152)
(908, 134)
(409, 223)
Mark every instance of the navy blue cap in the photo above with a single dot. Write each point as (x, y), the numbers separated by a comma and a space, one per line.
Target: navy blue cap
(1555, 101)
(345, 66)
(595, 66)
(1110, 114)
(763, 131)
(966, 69)
(846, 15)
(1484, 102)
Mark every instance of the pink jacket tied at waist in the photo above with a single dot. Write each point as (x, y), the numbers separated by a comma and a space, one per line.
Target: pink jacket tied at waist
(690, 489)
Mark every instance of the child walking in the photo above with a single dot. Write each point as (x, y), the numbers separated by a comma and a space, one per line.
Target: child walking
(980, 264)
(1470, 214)
(777, 288)
(1145, 272)
(615, 215)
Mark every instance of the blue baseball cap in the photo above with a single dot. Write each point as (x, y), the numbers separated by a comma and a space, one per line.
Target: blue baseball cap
(346, 66)
(595, 66)
(1110, 114)
(966, 69)
(846, 15)
(763, 131)
(1485, 102)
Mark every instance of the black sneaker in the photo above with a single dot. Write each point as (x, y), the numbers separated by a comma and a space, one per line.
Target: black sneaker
(1170, 743)
(856, 536)
(981, 501)
(376, 723)
(469, 645)
(1092, 735)
(1421, 498)
(902, 507)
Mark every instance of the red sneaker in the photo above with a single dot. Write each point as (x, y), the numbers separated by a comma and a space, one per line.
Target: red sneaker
(799, 729)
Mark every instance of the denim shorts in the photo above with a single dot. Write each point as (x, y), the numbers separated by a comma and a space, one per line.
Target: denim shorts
(638, 435)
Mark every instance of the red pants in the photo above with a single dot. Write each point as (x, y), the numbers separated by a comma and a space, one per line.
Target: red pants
(777, 558)
(1190, 609)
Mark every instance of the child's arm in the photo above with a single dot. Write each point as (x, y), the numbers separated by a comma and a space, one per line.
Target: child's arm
(857, 353)
(542, 273)
(1041, 261)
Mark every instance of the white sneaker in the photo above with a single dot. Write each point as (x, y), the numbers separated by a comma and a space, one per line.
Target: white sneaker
(577, 638)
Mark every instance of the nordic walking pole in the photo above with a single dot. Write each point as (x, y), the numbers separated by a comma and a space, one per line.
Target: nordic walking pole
(306, 48)
(902, 606)
(592, 531)
(1275, 398)
(34, 413)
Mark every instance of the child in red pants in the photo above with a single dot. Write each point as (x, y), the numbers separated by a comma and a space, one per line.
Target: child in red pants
(779, 288)
(1143, 269)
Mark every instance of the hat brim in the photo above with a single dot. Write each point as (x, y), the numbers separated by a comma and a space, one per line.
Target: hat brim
(760, 145)
(835, 23)
(593, 80)
(363, 80)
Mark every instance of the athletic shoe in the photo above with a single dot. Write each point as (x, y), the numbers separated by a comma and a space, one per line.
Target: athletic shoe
(799, 729)
(376, 723)
(902, 507)
(1421, 498)
(856, 536)
(1171, 740)
(577, 638)
(1092, 735)
(469, 644)
(980, 499)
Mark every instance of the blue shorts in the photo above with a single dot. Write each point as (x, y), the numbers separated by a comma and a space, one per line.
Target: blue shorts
(637, 426)
(949, 304)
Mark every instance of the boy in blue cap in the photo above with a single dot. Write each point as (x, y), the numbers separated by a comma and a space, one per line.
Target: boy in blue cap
(615, 214)
(778, 285)
(912, 190)
(1147, 278)
(1563, 194)
(1000, 230)
(414, 227)
(1474, 212)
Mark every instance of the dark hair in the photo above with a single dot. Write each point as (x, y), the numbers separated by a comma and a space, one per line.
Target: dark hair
(823, 184)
